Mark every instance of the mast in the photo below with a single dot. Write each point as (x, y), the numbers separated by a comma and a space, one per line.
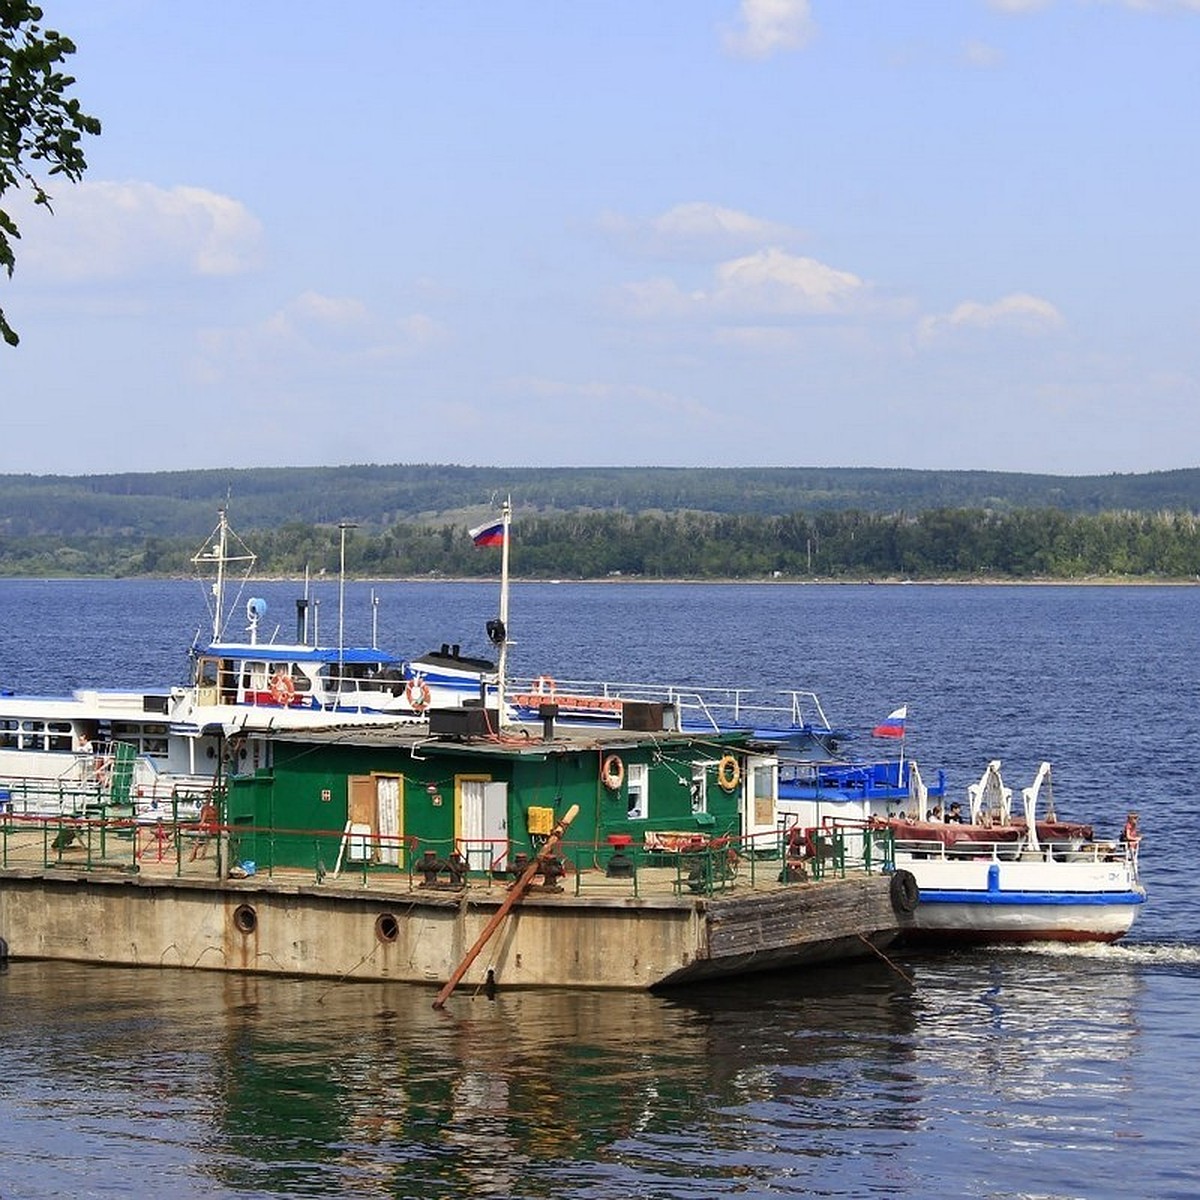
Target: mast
(506, 516)
(221, 549)
(342, 527)
(218, 552)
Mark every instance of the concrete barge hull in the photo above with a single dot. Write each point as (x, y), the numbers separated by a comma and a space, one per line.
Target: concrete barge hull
(420, 936)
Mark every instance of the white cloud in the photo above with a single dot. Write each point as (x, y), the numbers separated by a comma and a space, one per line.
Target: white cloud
(650, 299)
(121, 231)
(697, 228)
(768, 283)
(773, 281)
(765, 27)
(314, 332)
(1016, 313)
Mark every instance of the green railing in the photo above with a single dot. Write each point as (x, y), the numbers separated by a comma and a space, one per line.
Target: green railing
(179, 843)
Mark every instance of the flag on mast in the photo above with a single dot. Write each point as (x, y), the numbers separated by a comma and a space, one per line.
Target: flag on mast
(491, 534)
(892, 726)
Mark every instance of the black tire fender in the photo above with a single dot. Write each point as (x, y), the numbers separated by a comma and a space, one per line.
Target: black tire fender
(906, 894)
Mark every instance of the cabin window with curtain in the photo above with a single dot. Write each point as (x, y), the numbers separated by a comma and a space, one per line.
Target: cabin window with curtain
(150, 740)
(637, 788)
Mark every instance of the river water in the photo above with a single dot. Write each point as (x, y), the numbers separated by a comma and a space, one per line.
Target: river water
(1047, 1073)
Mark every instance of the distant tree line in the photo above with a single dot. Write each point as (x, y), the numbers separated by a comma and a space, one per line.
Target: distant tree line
(938, 543)
(172, 504)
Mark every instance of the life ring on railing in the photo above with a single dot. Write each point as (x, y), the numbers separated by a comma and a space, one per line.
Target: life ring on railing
(417, 693)
(729, 773)
(906, 892)
(612, 772)
(544, 685)
(283, 688)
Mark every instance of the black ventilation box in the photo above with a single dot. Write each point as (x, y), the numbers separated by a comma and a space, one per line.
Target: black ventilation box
(469, 721)
(647, 716)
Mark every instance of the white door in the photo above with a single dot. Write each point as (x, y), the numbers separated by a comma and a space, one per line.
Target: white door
(760, 797)
(495, 822)
(387, 797)
(484, 824)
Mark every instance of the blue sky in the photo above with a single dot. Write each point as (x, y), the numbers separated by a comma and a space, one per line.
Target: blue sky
(629, 232)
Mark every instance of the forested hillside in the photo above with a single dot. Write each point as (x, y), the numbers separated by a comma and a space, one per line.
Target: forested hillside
(939, 543)
(184, 503)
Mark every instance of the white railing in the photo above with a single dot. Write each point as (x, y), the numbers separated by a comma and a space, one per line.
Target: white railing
(716, 707)
(1011, 851)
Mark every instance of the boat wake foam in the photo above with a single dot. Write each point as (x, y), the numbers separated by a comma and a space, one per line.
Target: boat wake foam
(1173, 954)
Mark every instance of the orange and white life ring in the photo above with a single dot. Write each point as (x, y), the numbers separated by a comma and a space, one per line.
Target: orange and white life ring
(612, 772)
(283, 688)
(729, 773)
(544, 685)
(417, 693)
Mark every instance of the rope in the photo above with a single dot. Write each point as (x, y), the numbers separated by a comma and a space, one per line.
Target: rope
(866, 941)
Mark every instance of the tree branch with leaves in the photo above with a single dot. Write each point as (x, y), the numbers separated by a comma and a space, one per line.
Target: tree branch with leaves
(41, 127)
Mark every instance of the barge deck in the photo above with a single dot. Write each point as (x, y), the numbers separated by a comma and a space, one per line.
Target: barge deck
(656, 928)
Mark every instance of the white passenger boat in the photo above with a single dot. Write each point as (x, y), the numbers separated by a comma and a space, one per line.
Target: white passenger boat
(159, 750)
(996, 876)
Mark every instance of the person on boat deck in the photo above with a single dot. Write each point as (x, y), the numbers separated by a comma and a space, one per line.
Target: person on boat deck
(955, 813)
(1131, 834)
(208, 823)
(935, 813)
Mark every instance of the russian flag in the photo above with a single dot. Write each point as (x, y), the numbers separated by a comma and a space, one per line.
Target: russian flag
(491, 534)
(892, 726)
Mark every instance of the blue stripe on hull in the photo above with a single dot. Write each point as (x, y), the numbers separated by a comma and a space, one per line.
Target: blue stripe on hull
(1032, 899)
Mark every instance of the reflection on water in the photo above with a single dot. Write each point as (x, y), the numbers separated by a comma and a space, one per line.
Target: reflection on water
(1031, 1073)
(839, 1082)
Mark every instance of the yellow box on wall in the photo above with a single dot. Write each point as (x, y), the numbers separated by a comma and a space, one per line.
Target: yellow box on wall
(540, 820)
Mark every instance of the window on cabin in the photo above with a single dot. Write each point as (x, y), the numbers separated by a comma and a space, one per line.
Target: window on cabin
(59, 736)
(39, 735)
(699, 787)
(637, 787)
(8, 734)
(335, 681)
(146, 739)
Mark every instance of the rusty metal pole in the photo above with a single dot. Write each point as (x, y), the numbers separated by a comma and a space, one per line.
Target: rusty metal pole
(515, 893)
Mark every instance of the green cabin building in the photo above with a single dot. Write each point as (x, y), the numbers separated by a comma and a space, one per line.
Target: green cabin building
(386, 799)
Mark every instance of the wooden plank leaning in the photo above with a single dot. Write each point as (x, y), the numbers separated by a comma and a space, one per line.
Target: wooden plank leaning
(515, 893)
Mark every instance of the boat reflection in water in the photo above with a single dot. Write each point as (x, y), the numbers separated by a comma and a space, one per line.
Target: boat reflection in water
(791, 1083)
